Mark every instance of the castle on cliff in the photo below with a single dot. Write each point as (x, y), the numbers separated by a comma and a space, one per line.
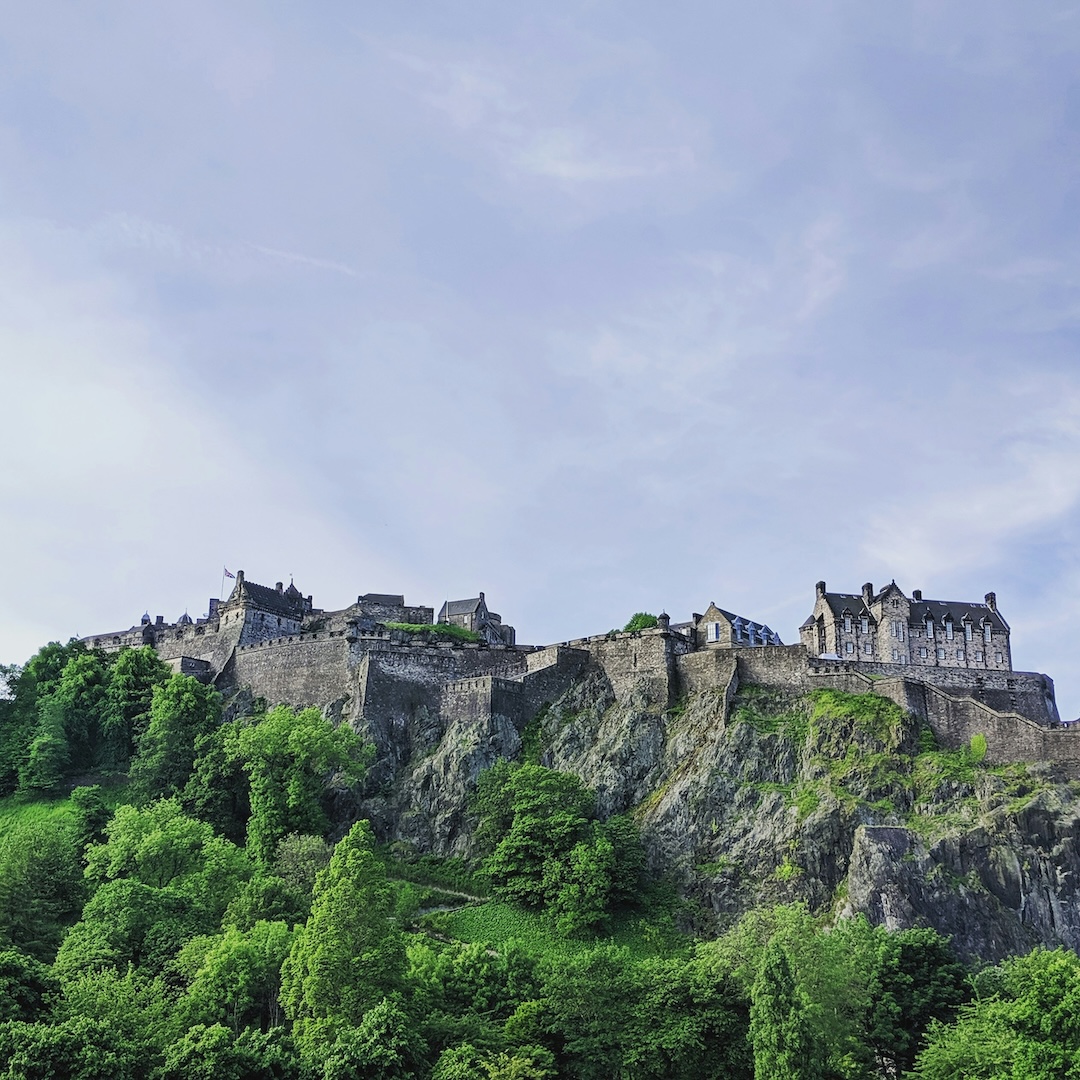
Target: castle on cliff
(387, 666)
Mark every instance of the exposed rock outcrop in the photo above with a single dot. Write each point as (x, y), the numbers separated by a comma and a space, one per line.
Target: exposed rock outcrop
(752, 796)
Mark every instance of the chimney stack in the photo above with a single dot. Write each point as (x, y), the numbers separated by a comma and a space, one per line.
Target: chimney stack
(916, 594)
(991, 601)
(820, 586)
(868, 593)
(279, 586)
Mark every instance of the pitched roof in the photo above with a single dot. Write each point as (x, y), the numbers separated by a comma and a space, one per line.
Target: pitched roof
(760, 629)
(852, 603)
(938, 610)
(460, 607)
(267, 599)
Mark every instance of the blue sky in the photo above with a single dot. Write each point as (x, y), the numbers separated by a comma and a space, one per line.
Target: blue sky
(597, 308)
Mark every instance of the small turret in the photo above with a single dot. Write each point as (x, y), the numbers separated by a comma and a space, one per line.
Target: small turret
(663, 620)
(145, 620)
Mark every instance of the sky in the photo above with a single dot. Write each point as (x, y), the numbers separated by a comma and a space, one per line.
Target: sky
(596, 307)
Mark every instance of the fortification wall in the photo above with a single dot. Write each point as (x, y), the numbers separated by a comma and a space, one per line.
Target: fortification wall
(639, 663)
(301, 670)
(545, 682)
(706, 669)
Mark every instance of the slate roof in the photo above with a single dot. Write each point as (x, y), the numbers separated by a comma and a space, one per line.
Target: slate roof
(460, 607)
(938, 610)
(289, 603)
(853, 604)
(760, 629)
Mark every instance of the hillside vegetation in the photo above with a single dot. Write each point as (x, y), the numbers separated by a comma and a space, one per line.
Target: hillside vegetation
(179, 897)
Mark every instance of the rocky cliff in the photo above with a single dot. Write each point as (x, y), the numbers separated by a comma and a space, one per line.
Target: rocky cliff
(749, 796)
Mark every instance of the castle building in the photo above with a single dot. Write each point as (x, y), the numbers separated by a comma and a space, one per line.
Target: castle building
(889, 627)
(718, 628)
(474, 615)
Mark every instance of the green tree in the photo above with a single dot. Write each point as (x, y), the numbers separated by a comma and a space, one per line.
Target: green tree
(235, 978)
(640, 620)
(547, 849)
(349, 955)
(25, 688)
(218, 790)
(89, 816)
(162, 847)
(781, 1032)
(181, 711)
(75, 1049)
(79, 702)
(383, 1046)
(290, 758)
(914, 979)
(1027, 1026)
(28, 989)
(213, 1052)
(128, 696)
(41, 886)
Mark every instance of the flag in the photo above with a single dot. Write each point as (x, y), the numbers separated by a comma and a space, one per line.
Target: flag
(227, 574)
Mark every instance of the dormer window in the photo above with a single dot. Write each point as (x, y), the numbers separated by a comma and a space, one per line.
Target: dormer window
(949, 629)
(930, 629)
(847, 624)
(968, 633)
(986, 633)
(864, 625)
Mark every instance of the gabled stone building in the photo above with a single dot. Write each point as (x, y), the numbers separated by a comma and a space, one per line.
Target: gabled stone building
(889, 627)
(718, 628)
(475, 615)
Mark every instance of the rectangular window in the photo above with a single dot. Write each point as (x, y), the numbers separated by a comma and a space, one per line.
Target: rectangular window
(959, 654)
(930, 628)
(847, 624)
(849, 646)
(900, 631)
(864, 625)
(867, 648)
(986, 633)
(941, 654)
(922, 654)
(978, 655)
(998, 658)
(967, 631)
(949, 630)
(895, 655)
(713, 632)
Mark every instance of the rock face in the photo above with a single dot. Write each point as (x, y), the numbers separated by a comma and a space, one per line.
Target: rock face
(753, 795)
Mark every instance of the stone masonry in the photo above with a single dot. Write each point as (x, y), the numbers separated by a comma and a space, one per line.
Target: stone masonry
(406, 689)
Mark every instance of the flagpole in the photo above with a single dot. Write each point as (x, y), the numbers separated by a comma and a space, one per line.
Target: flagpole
(222, 589)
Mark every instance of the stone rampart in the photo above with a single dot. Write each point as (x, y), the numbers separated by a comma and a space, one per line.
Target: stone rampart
(300, 670)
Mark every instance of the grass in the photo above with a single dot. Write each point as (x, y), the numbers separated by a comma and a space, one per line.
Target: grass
(496, 924)
(446, 630)
(16, 810)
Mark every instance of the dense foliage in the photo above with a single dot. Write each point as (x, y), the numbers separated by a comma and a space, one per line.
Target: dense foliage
(201, 922)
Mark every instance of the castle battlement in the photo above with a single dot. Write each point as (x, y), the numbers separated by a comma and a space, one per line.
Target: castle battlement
(361, 663)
